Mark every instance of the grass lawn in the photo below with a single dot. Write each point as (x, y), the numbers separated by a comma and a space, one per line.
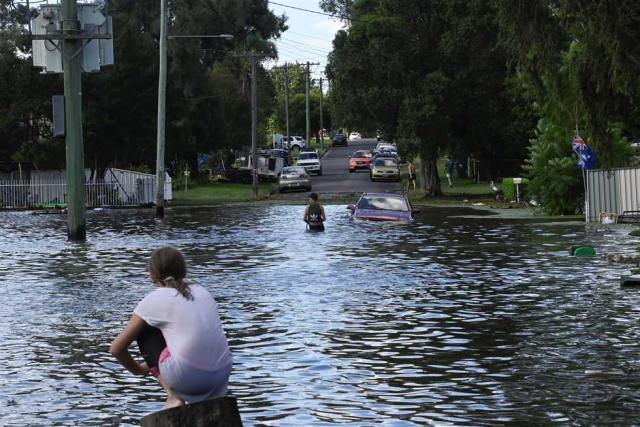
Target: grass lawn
(217, 193)
(462, 187)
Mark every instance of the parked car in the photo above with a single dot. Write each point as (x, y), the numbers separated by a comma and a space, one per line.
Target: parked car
(385, 168)
(339, 139)
(296, 143)
(382, 207)
(386, 154)
(385, 146)
(282, 142)
(310, 160)
(354, 136)
(294, 177)
(360, 159)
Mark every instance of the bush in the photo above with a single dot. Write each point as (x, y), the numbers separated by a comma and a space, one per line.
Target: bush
(509, 189)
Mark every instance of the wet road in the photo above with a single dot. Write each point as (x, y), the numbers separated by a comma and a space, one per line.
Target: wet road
(336, 177)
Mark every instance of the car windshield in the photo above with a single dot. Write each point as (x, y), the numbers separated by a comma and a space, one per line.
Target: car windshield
(307, 156)
(388, 203)
(385, 162)
(293, 171)
(360, 154)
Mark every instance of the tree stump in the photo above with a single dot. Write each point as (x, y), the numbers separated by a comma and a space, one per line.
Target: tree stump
(221, 412)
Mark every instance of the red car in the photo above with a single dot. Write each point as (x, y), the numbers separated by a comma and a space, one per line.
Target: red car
(360, 159)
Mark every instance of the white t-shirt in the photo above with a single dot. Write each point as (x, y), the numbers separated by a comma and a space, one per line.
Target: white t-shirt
(192, 328)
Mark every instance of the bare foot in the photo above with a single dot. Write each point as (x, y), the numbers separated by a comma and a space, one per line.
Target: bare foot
(173, 401)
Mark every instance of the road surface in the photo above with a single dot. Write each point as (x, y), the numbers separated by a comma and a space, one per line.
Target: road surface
(336, 177)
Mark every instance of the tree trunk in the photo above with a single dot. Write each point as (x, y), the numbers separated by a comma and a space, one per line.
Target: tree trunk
(429, 174)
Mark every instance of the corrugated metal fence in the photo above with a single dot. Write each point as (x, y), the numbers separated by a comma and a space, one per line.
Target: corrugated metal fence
(47, 189)
(616, 191)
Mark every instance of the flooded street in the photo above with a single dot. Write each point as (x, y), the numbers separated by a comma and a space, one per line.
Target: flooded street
(460, 321)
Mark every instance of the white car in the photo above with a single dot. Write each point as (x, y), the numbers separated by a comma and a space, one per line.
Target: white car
(297, 142)
(310, 161)
(354, 136)
(385, 146)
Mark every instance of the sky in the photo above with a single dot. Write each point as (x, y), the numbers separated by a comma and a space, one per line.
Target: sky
(308, 38)
(309, 35)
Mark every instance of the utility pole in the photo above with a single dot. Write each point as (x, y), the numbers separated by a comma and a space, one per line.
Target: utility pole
(162, 99)
(321, 125)
(72, 66)
(308, 136)
(286, 102)
(308, 103)
(254, 125)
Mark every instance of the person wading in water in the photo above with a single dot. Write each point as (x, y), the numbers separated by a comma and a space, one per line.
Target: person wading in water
(314, 214)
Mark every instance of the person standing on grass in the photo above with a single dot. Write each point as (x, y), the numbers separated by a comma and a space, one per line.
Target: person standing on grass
(411, 171)
(448, 169)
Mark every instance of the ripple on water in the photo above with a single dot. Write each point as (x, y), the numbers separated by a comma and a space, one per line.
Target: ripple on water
(445, 321)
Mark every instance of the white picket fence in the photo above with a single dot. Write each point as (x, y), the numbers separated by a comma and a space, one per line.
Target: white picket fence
(49, 189)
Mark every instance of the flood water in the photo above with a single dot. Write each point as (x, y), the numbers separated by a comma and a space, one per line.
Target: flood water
(448, 321)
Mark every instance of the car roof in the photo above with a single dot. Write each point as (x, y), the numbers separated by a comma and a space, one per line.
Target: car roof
(402, 196)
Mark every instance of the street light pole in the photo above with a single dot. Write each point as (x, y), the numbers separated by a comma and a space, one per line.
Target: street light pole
(162, 99)
(254, 126)
(321, 125)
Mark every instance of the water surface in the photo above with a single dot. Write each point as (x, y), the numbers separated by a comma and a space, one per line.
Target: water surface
(448, 321)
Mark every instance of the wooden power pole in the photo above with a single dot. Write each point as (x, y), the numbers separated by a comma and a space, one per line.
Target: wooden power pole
(72, 66)
(254, 125)
(286, 102)
(308, 102)
(162, 99)
(321, 124)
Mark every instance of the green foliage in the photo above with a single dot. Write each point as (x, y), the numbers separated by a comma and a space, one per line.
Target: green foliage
(431, 72)
(509, 190)
(585, 50)
(555, 180)
(208, 104)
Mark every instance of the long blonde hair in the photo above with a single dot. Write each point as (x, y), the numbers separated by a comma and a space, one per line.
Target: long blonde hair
(168, 267)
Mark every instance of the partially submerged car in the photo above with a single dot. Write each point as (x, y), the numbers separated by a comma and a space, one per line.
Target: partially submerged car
(294, 177)
(360, 159)
(382, 207)
(385, 168)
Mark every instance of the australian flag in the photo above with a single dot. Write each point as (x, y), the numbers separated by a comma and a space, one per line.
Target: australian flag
(586, 156)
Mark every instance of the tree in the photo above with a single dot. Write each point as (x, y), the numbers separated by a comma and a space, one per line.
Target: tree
(120, 102)
(578, 61)
(430, 72)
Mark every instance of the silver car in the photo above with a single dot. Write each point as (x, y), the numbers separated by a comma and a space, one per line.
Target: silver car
(294, 178)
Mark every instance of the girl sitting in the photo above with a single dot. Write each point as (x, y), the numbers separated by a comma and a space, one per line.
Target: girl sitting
(195, 362)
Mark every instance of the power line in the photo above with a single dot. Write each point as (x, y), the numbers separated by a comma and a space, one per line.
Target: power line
(304, 10)
(306, 45)
(307, 35)
(303, 50)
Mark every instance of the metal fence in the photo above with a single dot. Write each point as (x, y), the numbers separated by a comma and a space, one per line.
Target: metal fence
(613, 191)
(48, 190)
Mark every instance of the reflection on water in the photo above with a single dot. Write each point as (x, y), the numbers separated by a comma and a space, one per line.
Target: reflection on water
(446, 321)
